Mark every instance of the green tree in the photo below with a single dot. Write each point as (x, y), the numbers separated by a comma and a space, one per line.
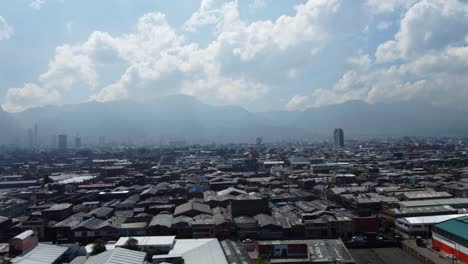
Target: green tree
(131, 244)
(387, 227)
(179, 261)
(99, 246)
(261, 261)
(151, 253)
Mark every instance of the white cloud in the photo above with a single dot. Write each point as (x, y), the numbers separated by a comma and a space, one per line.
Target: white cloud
(69, 27)
(155, 53)
(388, 6)
(257, 4)
(424, 61)
(6, 31)
(226, 89)
(384, 25)
(299, 102)
(69, 67)
(284, 33)
(36, 4)
(362, 61)
(438, 78)
(205, 15)
(114, 91)
(311, 24)
(292, 73)
(387, 52)
(424, 28)
(30, 95)
(247, 59)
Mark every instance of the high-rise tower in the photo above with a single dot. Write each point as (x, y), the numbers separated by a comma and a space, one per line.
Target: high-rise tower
(62, 142)
(338, 136)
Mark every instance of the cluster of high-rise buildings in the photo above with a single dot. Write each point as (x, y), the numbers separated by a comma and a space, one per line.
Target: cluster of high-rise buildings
(34, 140)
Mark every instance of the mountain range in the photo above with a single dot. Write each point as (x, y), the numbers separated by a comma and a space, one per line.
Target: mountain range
(180, 117)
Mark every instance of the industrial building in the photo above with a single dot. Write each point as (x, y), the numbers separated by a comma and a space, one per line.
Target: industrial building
(422, 225)
(454, 202)
(451, 236)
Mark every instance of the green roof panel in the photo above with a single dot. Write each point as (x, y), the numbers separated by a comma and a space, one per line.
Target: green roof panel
(457, 226)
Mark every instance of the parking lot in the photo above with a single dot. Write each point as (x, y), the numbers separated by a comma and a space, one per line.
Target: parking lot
(382, 256)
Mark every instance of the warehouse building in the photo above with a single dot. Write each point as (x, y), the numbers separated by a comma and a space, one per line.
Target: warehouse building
(451, 236)
(454, 202)
(393, 213)
(422, 225)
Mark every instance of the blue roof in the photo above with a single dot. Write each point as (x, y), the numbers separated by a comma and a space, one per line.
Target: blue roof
(456, 226)
(195, 189)
(90, 203)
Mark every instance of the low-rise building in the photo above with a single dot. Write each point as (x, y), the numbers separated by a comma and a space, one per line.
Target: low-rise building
(160, 244)
(160, 224)
(326, 224)
(58, 212)
(325, 251)
(44, 254)
(268, 227)
(23, 242)
(118, 255)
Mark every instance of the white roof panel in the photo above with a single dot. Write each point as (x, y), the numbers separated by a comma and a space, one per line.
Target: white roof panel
(118, 256)
(433, 219)
(148, 241)
(42, 253)
(195, 251)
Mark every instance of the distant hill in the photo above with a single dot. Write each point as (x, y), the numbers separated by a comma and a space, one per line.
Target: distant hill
(360, 119)
(184, 117)
(168, 118)
(10, 131)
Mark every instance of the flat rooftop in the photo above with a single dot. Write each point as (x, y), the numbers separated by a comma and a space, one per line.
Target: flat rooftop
(434, 202)
(323, 250)
(149, 241)
(425, 209)
(433, 219)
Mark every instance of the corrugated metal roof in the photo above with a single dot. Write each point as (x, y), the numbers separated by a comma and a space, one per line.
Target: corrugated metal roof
(42, 253)
(118, 256)
(183, 208)
(196, 251)
(434, 202)
(426, 195)
(24, 235)
(433, 219)
(148, 241)
(457, 226)
(162, 219)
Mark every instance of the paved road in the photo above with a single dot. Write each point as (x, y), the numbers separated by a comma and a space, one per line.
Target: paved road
(382, 256)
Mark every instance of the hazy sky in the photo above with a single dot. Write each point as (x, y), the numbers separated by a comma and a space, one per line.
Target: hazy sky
(260, 54)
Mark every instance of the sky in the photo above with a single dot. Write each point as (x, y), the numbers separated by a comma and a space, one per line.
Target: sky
(263, 55)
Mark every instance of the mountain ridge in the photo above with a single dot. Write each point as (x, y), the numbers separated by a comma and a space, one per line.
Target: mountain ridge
(184, 117)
